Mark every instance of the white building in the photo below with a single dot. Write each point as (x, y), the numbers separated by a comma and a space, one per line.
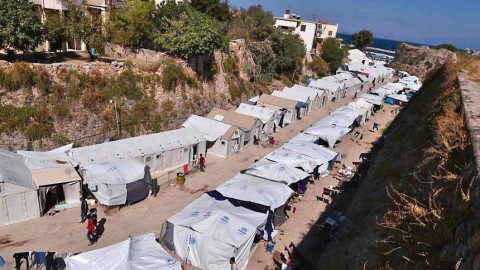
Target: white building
(293, 24)
(326, 30)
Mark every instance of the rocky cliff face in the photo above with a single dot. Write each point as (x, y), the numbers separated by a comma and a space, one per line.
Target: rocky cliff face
(419, 61)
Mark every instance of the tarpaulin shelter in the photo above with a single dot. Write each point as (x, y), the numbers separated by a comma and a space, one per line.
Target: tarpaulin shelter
(18, 193)
(336, 120)
(373, 99)
(55, 177)
(292, 159)
(140, 252)
(224, 140)
(402, 98)
(305, 137)
(320, 154)
(362, 104)
(359, 115)
(117, 183)
(254, 189)
(328, 134)
(277, 172)
(208, 232)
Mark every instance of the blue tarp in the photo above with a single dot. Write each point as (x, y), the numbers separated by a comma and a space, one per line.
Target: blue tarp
(390, 101)
(301, 105)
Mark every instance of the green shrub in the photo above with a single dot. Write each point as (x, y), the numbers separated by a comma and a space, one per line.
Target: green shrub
(286, 81)
(230, 65)
(61, 110)
(172, 76)
(43, 82)
(21, 75)
(149, 66)
(76, 83)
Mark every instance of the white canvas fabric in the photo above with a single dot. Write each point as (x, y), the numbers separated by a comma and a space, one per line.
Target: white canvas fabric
(108, 181)
(137, 146)
(292, 95)
(305, 137)
(136, 253)
(13, 170)
(329, 134)
(277, 172)
(325, 85)
(335, 120)
(351, 113)
(208, 232)
(292, 159)
(361, 104)
(265, 115)
(254, 189)
(383, 92)
(311, 92)
(373, 99)
(395, 87)
(320, 154)
(211, 129)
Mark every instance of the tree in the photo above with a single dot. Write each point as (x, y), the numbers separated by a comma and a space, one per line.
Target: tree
(289, 53)
(192, 34)
(88, 26)
(216, 9)
(20, 26)
(319, 66)
(55, 28)
(134, 24)
(447, 46)
(253, 24)
(362, 39)
(332, 53)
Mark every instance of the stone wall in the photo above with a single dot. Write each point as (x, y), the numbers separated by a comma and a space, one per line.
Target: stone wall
(141, 54)
(469, 245)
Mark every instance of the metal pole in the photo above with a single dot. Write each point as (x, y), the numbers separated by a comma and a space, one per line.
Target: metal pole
(114, 101)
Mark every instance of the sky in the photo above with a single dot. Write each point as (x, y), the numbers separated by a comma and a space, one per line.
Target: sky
(429, 22)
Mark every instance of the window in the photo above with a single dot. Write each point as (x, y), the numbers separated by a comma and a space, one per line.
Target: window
(148, 159)
(330, 33)
(223, 142)
(302, 28)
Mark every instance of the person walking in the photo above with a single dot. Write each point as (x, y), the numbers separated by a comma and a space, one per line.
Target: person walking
(90, 230)
(201, 161)
(83, 210)
(375, 126)
(233, 264)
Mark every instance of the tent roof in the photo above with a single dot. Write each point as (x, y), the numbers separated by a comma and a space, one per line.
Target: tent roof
(136, 253)
(278, 101)
(361, 103)
(321, 154)
(219, 220)
(348, 113)
(211, 129)
(311, 92)
(229, 117)
(356, 54)
(325, 85)
(277, 172)
(336, 120)
(329, 134)
(291, 158)
(297, 93)
(13, 170)
(137, 146)
(304, 137)
(115, 172)
(291, 95)
(263, 114)
(362, 77)
(253, 189)
(50, 168)
(373, 99)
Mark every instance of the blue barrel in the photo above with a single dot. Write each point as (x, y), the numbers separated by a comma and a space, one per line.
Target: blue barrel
(2, 261)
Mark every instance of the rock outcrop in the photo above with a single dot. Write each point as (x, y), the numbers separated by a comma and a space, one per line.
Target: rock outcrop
(419, 61)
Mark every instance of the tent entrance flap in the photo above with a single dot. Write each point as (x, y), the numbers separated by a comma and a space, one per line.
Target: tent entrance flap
(137, 191)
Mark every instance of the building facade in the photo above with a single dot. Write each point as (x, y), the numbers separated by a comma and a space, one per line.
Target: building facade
(293, 24)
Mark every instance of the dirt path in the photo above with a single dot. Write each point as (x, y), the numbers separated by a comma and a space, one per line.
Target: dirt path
(63, 233)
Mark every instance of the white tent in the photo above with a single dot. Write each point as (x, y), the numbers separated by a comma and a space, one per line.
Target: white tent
(358, 115)
(18, 194)
(296, 96)
(361, 104)
(329, 134)
(373, 99)
(277, 172)
(268, 117)
(136, 253)
(333, 88)
(383, 92)
(316, 96)
(227, 139)
(320, 154)
(110, 181)
(253, 189)
(395, 87)
(335, 120)
(305, 137)
(292, 159)
(208, 232)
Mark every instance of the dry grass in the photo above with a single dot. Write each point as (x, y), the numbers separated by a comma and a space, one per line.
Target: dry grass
(471, 64)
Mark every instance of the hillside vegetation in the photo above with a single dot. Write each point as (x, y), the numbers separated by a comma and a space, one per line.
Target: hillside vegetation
(413, 209)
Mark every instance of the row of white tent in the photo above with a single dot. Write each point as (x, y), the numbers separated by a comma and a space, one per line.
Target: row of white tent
(212, 229)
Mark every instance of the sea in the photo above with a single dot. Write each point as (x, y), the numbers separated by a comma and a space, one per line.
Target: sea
(386, 44)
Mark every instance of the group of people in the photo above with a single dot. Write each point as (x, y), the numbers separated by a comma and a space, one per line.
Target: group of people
(90, 215)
